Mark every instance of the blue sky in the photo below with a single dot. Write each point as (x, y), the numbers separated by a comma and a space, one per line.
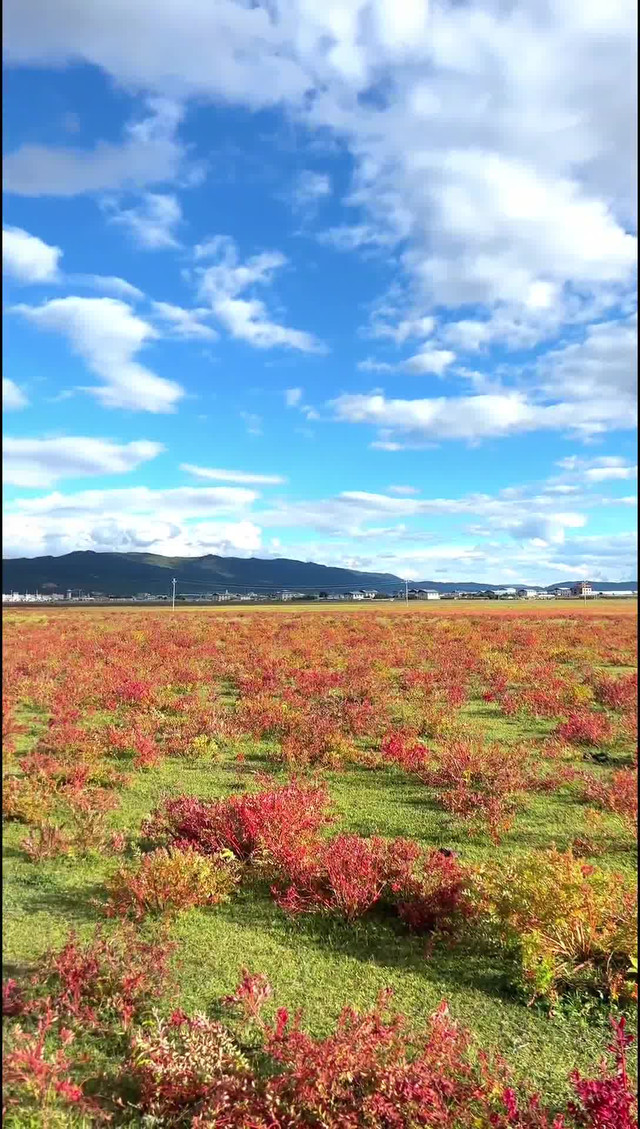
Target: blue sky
(353, 285)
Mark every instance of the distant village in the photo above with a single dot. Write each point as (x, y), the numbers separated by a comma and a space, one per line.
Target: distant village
(582, 590)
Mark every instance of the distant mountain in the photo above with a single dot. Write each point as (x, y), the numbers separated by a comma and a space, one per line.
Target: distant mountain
(127, 574)
(600, 585)
(468, 586)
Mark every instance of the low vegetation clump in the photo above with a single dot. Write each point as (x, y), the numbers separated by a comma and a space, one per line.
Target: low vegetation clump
(269, 1073)
(441, 801)
(169, 880)
(243, 824)
(568, 924)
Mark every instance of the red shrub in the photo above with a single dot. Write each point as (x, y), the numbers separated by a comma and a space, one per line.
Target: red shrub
(251, 994)
(585, 729)
(35, 1081)
(114, 979)
(13, 1002)
(46, 842)
(475, 781)
(617, 693)
(402, 748)
(436, 897)
(607, 1102)
(244, 823)
(619, 795)
(348, 875)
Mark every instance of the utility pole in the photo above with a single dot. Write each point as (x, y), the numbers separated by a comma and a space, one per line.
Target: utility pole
(173, 594)
(406, 591)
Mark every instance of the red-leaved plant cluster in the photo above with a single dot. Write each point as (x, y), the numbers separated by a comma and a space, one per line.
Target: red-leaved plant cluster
(189, 1070)
(279, 831)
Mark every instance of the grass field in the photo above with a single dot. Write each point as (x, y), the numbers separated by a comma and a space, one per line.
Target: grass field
(316, 961)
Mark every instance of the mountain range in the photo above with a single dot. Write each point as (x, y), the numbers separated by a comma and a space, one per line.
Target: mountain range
(128, 574)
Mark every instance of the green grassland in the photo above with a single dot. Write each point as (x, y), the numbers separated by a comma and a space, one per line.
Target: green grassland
(321, 964)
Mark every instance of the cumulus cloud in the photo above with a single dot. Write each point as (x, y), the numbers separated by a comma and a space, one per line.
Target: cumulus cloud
(474, 418)
(233, 475)
(503, 184)
(429, 361)
(107, 284)
(184, 323)
(108, 335)
(13, 398)
(604, 363)
(309, 190)
(28, 259)
(42, 462)
(149, 154)
(177, 522)
(604, 468)
(293, 397)
(247, 319)
(151, 223)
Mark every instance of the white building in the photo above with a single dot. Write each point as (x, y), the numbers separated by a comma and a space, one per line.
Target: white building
(430, 595)
(582, 588)
(526, 593)
(24, 598)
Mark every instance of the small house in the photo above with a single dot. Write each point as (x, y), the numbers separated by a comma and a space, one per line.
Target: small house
(582, 588)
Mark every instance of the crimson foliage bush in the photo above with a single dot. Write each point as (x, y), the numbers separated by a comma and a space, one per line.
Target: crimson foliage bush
(349, 875)
(112, 980)
(368, 1072)
(191, 1071)
(243, 824)
(585, 729)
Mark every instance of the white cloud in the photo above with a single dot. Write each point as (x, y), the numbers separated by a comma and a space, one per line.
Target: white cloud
(152, 223)
(604, 468)
(611, 473)
(42, 462)
(233, 475)
(13, 398)
(409, 491)
(604, 363)
(173, 503)
(252, 422)
(429, 360)
(149, 154)
(107, 335)
(309, 189)
(107, 284)
(184, 323)
(27, 258)
(478, 417)
(353, 237)
(293, 397)
(389, 321)
(492, 142)
(246, 318)
(174, 522)
(371, 365)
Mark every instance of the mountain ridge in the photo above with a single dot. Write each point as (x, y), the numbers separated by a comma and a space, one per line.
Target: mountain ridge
(127, 574)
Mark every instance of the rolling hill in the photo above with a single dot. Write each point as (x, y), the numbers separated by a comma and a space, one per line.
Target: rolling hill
(127, 574)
